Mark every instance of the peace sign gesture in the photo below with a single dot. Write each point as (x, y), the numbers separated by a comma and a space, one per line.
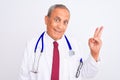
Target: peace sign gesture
(95, 43)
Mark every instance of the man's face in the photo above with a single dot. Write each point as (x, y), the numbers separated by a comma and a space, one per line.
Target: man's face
(57, 23)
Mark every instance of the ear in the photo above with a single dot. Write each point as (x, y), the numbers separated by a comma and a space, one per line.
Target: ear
(46, 20)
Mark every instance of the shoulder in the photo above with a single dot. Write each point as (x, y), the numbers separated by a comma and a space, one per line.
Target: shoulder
(32, 42)
(73, 41)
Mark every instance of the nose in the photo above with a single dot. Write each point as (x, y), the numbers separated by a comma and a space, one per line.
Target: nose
(61, 25)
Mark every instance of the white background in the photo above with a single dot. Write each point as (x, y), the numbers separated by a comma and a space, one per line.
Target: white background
(20, 20)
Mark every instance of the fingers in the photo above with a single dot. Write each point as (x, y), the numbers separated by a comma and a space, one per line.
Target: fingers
(95, 41)
(98, 32)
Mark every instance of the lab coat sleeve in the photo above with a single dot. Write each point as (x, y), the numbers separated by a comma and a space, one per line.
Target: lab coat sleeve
(24, 70)
(90, 68)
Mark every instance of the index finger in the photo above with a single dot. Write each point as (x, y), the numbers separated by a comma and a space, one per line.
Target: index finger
(98, 32)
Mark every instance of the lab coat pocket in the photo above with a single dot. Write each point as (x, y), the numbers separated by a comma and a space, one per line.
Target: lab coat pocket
(74, 62)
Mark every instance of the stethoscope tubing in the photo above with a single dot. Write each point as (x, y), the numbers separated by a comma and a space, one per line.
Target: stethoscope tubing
(41, 37)
(35, 70)
(42, 41)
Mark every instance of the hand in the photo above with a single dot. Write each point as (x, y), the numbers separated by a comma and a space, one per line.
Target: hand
(95, 43)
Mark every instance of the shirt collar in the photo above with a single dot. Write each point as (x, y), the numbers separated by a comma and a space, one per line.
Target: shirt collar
(52, 40)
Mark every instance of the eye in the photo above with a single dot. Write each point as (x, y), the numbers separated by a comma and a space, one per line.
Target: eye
(65, 22)
(57, 20)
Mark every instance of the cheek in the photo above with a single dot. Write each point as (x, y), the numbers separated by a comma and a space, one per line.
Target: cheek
(53, 24)
(65, 28)
(50, 28)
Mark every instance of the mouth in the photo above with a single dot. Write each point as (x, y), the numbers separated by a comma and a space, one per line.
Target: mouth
(58, 31)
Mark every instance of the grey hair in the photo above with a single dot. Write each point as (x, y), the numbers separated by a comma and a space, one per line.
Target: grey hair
(56, 6)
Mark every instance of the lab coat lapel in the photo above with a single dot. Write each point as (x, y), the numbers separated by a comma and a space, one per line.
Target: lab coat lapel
(44, 70)
(64, 68)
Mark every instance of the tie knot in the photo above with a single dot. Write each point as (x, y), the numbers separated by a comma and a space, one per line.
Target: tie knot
(55, 44)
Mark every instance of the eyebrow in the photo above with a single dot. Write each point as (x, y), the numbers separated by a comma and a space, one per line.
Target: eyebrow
(60, 18)
(57, 17)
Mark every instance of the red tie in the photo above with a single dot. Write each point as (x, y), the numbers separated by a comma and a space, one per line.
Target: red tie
(55, 64)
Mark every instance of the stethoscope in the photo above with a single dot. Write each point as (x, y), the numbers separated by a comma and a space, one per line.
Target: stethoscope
(37, 56)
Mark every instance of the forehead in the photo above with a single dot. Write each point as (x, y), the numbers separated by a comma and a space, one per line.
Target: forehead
(60, 12)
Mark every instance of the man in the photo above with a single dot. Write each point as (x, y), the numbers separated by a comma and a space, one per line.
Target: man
(61, 60)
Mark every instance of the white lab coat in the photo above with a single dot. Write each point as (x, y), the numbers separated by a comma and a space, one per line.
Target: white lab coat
(68, 64)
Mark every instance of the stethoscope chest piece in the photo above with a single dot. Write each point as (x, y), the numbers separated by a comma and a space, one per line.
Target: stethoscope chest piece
(71, 52)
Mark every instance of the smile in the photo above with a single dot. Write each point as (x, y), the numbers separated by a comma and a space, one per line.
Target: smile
(58, 31)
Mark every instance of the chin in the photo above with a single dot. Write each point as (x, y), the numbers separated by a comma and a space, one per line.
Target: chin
(57, 37)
